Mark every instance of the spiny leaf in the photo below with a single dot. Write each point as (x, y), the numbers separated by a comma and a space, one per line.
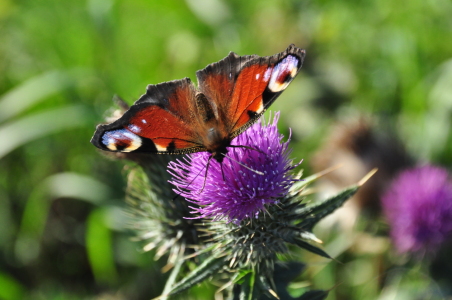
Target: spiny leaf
(244, 290)
(206, 269)
(240, 278)
(311, 248)
(318, 212)
(297, 186)
(171, 279)
(266, 286)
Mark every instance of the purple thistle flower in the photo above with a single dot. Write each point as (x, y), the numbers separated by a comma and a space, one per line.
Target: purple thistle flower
(418, 206)
(231, 191)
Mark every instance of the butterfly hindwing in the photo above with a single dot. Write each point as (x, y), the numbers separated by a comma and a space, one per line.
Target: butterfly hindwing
(162, 121)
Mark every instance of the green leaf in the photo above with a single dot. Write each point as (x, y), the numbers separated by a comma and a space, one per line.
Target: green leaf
(172, 278)
(36, 89)
(311, 248)
(240, 278)
(206, 269)
(62, 185)
(318, 212)
(247, 287)
(21, 131)
(99, 247)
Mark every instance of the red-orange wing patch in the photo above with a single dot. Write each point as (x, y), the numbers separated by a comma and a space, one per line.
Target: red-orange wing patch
(161, 121)
(241, 88)
(247, 102)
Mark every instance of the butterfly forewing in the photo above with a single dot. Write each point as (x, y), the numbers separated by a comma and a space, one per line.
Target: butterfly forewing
(217, 81)
(261, 81)
(243, 87)
(162, 121)
(251, 83)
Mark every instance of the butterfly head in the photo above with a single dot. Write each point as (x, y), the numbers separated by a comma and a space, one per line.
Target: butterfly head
(217, 143)
(219, 155)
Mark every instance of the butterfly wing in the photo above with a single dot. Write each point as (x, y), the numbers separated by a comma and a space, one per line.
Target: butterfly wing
(162, 121)
(173, 118)
(243, 87)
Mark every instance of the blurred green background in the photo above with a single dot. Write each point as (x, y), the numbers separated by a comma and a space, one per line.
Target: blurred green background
(62, 228)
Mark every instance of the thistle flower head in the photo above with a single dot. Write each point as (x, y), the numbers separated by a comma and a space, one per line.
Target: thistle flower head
(232, 191)
(418, 206)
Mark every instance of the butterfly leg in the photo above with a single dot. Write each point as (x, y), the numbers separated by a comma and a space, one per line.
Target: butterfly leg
(205, 175)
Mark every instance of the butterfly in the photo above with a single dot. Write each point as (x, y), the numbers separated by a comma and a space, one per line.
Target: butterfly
(175, 117)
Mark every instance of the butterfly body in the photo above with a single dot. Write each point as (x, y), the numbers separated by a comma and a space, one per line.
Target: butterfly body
(175, 117)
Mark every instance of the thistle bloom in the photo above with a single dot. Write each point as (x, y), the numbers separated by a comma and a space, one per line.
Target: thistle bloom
(418, 207)
(232, 191)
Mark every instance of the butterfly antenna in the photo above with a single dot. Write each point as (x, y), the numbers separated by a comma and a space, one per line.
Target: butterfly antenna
(243, 165)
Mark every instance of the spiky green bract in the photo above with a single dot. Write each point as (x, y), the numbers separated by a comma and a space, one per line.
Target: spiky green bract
(159, 216)
(248, 250)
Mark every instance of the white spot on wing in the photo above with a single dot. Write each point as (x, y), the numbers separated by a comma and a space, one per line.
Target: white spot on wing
(267, 74)
(128, 141)
(257, 76)
(133, 146)
(260, 108)
(111, 144)
(160, 148)
(288, 64)
(134, 128)
(144, 121)
(276, 86)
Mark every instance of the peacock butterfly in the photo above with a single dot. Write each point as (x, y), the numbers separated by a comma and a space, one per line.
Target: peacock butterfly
(175, 117)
